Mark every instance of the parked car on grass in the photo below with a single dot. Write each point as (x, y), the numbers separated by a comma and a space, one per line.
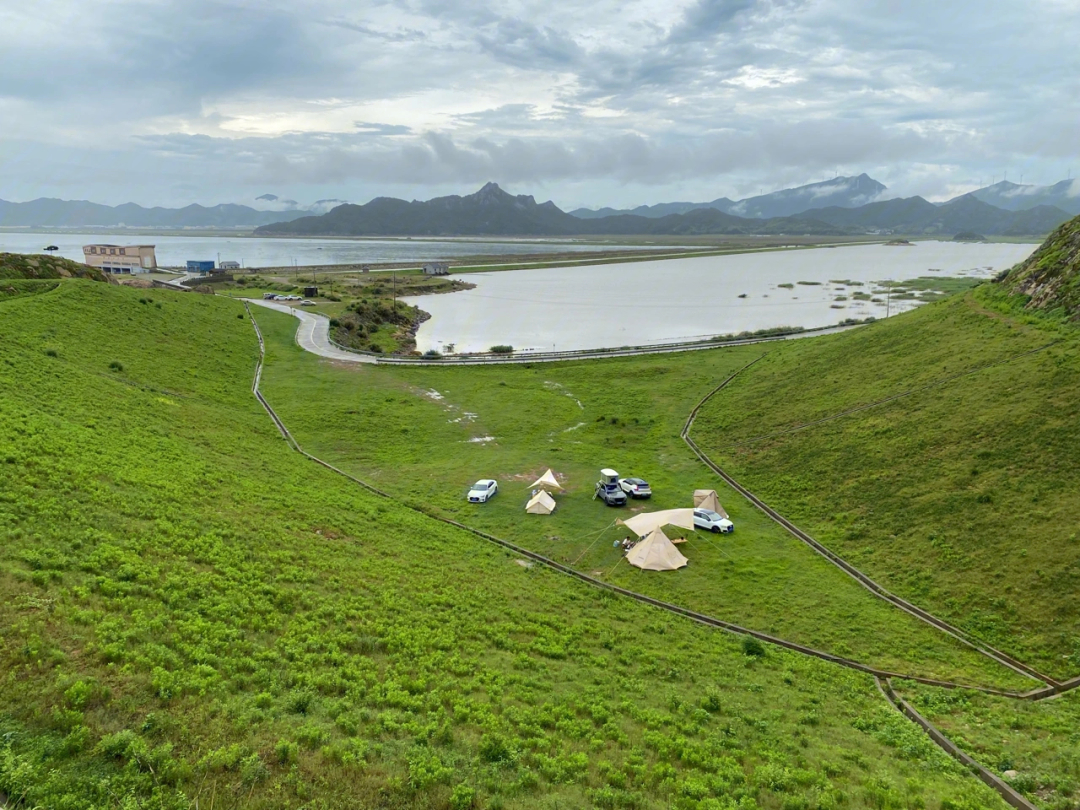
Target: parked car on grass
(635, 487)
(708, 519)
(306, 303)
(483, 490)
(608, 489)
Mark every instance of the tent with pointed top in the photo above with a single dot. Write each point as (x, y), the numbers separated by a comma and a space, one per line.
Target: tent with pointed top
(706, 499)
(644, 523)
(656, 553)
(540, 504)
(547, 482)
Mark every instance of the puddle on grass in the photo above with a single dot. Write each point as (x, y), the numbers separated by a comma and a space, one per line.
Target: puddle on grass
(480, 439)
(559, 388)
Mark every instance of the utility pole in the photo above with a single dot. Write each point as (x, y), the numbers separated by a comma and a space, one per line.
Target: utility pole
(395, 291)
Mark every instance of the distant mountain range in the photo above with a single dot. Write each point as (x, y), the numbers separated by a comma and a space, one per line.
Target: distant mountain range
(493, 212)
(843, 205)
(49, 212)
(843, 192)
(1014, 197)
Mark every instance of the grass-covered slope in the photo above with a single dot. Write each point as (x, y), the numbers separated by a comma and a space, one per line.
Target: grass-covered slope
(1051, 275)
(1035, 747)
(193, 615)
(39, 266)
(961, 495)
(425, 434)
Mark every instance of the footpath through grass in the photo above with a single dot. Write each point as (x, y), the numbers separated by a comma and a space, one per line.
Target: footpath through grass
(962, 497)
(191, 614)
(1035, 747)
(425, 434)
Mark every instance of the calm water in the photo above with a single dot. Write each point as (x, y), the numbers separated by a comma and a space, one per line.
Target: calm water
(174, 251)
(672, 299)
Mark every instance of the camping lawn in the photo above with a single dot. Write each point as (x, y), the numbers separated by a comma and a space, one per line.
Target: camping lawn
(425, 434)
(192, 614)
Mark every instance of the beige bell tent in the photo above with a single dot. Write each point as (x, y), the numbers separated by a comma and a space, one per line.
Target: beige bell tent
(646, 522)
(547, 482)
(706, 499)
(656, 553)
(540, 504)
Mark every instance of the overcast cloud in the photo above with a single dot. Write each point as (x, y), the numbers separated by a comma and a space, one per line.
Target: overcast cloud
(615, 102)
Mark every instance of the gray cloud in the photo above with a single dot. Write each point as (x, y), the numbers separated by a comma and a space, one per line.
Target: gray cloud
(206, 99)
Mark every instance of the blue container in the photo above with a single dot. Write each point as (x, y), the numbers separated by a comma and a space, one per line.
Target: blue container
(200, 267)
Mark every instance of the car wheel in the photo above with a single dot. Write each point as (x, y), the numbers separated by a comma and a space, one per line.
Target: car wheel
(715, 530)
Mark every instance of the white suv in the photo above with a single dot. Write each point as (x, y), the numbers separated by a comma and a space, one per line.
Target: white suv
(483, 490)
(708, 519)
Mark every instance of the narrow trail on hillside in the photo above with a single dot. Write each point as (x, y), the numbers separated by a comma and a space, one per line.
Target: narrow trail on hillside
(882, 678)
(924, 615)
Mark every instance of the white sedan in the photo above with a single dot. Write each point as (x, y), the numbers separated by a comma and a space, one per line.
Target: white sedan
(708, 519)
(483, 490)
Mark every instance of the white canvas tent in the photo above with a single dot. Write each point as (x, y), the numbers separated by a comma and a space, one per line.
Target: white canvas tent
(547, 482)
(646, 522)
(540, 504)
(706, 499)
(656, 553)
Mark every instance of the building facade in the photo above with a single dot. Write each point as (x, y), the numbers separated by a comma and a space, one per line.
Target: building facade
(121, 259)
(436, 269)
(202, 267)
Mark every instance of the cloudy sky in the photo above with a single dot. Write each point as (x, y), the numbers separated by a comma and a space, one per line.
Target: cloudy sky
(611, 102)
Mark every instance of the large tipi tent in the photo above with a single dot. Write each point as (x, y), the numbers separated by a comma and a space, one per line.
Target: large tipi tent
(656, 553)
(706, 499)
(547, 482)
(646, 522)
(540, 504)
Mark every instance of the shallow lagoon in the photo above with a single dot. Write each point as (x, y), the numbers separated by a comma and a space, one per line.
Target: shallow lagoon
(640, 303)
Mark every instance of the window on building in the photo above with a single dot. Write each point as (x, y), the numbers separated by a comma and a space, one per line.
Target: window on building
(93, 250)
(123, 251)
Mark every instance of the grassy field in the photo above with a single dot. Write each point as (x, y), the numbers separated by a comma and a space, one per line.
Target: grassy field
(1035, 747)
(191, 614)
(961, 494)
(425, 434)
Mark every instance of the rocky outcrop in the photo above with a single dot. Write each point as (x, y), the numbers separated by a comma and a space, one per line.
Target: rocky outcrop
(26, 265)
(1051, 275)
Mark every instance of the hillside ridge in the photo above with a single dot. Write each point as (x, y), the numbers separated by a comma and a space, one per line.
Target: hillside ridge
(1051, 275)
(41, 266)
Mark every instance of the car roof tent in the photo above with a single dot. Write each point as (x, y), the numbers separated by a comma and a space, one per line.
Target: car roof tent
(656, 553)
(540, 504)
(647, 522)
(548, 482)
(706, 499)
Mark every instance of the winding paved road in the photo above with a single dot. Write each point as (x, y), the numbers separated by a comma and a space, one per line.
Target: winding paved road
(313, 335)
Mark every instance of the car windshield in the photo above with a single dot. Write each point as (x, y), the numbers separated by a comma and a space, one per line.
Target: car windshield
(709, 514)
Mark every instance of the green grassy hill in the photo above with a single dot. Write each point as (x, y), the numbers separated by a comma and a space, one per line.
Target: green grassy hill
(42, 266)
(191, 614)
(959, 493)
